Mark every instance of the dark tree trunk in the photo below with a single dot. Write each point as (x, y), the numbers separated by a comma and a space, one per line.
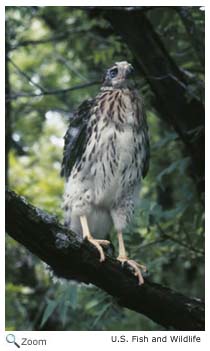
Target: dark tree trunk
(195, 35)
(71, 258)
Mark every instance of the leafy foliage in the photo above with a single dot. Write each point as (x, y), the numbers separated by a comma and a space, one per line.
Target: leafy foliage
(54, 48)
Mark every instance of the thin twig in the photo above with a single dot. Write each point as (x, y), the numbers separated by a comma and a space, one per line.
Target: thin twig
(182, 243)
(70, 67)
(15, 96)
(151, 243)
(51, 39)
(26, 76)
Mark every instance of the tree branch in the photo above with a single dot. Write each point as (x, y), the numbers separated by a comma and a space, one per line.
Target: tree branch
(71, 258)
(26, 76)
(15, 96)
(51, 39)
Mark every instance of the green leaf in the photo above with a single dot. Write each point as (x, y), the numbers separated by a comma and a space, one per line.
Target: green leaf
(179, 165)
(63, 308)
(92, 304)
(101, 314)
(165, 140)
(67, 300)
(72, 296)
(51, 305)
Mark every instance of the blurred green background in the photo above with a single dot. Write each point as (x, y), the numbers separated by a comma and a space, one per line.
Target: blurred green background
(54, 48)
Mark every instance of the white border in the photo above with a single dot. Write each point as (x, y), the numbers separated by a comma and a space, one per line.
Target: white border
(95, 340)
(105, 3)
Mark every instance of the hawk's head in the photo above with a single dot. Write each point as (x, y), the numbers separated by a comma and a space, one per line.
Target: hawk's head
(117, 76)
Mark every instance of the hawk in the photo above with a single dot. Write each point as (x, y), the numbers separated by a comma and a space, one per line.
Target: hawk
(106, 155)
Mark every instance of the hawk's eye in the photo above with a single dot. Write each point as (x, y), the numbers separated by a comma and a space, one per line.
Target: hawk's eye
(113, 72)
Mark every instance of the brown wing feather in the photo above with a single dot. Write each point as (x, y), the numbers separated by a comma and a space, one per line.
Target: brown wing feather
(75, 138)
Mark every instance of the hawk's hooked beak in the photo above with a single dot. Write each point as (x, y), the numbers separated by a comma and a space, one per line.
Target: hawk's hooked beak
(129, 71)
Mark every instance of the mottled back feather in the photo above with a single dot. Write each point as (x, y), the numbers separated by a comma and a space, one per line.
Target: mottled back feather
(75, 137)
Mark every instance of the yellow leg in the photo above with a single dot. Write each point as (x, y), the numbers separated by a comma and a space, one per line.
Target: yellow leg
(87, 235)
(123, 258)
(122, 252)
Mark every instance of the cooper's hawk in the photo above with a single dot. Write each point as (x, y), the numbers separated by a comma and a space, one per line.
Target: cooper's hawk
(106, 155)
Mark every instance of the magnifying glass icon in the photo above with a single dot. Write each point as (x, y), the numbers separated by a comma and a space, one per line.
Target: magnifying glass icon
(11, 339)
